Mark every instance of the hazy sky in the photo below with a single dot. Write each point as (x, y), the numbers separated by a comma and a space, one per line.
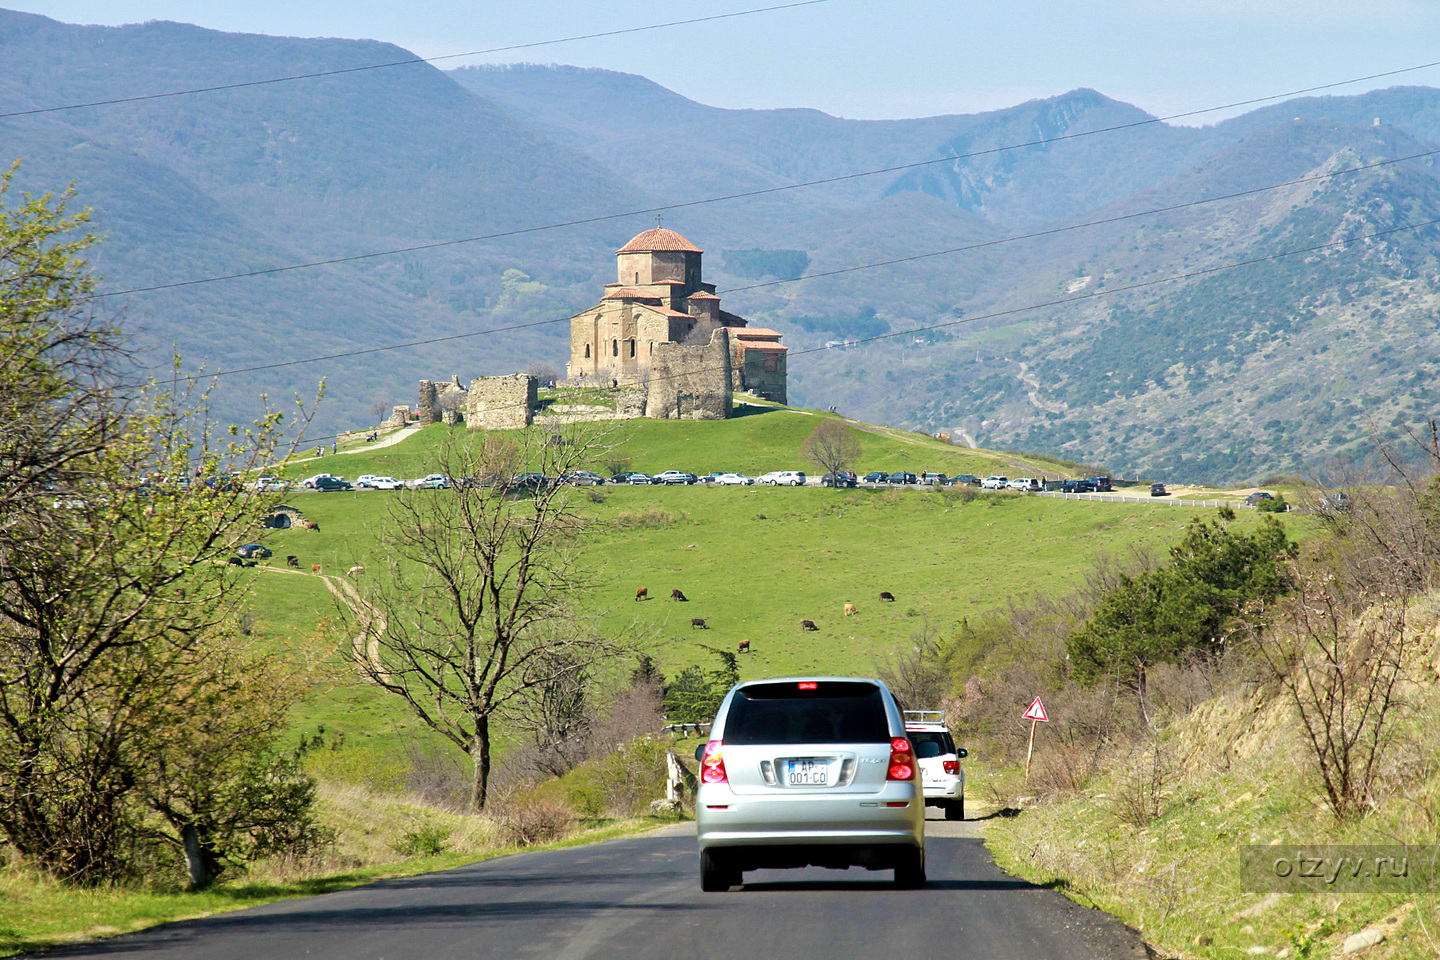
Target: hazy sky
(880, 58)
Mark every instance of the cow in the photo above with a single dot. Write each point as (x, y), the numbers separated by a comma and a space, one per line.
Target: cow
(808, 625)
(887, 596)
(744, 646)
(314, 568)
(850, 610)
(677, 595)
(355, 571)
(642, 594)
(292, 561)
(698, 622)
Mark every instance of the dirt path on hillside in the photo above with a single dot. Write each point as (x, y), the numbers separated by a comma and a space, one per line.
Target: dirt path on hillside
(404, 433)
(365, 646)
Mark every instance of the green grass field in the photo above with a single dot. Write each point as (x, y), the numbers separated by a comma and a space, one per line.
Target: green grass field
(752, 561)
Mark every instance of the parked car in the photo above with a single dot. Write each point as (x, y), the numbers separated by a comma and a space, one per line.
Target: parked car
(527, 481)
(845, 478)
(310, 483)
(675, 478)
(1077, 486)
(1158, 490)
(363, 481)
(639, 479)
(877, 476)
(713, 477)
(942, 776)
(783, 478)
(254, 551)
(809, 771)
(583, 478)
(433, 481)
(733, 480)
(930, 479)
(968, 479)
(904, 476)
(1257, 496)
(994, 483)
(385, 483)
(1102, 484)
(332, 484)
(271, 483)
(1025, 485)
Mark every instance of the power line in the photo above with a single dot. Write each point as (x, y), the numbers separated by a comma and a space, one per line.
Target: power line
(867, 266)
(1067, 301)
(583, 221)
(407, 62)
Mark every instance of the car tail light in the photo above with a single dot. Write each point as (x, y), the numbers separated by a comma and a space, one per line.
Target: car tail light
(808, 685)
(951, 766)
(902, 761)
(712, 766)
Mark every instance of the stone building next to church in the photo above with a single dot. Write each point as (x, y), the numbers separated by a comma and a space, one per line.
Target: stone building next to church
(657, 303)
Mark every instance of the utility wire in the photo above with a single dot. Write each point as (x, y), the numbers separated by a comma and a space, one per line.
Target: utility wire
(402, 63)
(1062, 301)
(680, 205)
(829, 273)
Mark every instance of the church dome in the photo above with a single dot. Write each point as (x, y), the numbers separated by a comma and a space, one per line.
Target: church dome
(659, 239)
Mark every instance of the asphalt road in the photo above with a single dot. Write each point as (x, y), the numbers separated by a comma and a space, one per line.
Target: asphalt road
(640, 899)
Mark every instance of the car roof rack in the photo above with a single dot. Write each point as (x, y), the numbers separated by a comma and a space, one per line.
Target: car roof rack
(925, 716)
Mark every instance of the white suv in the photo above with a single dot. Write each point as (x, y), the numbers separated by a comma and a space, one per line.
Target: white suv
(783, 478)
(942, 777)
(1026, 485)
(994, 483)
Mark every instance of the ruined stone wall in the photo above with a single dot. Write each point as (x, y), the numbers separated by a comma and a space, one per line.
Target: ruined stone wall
(763, 374)
(501, 403)
(429, 405)
(399, 417)
(691, 382)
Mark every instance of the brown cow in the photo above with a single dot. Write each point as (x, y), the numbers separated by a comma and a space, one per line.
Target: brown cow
(808, 625)
(744, 646)
(292, 561)
(850, 610)
(677, 595)
(887, 596)
(698, 622)
(642, 594)
(355, 571)
(314, 568)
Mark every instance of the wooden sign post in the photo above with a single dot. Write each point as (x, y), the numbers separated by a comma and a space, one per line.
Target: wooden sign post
(1036, 714)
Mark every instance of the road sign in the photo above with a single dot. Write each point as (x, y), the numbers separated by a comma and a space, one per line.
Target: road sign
(1036, 712)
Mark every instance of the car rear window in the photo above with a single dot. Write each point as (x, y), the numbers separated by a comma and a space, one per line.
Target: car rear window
(939, 738)
(836, 711)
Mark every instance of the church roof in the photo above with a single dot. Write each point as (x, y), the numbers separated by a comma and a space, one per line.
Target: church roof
(702, 295)
(629, 293)
(657, 240)
(758, 333)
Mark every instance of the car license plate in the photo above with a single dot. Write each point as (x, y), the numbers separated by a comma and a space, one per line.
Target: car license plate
(806, 773)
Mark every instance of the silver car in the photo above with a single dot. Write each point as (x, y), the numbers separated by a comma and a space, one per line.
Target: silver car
(809, 771)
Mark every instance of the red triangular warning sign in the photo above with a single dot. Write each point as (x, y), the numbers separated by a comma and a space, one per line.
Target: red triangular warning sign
(1036, 712)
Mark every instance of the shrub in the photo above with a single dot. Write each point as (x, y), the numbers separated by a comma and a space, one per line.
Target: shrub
(651, 518)
(533, 821)
(422, 842)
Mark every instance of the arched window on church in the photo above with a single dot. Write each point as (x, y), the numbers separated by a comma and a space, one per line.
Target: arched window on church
(632, 348)
(614, 348)
(652, 347)
(637, 277)
(587, 351)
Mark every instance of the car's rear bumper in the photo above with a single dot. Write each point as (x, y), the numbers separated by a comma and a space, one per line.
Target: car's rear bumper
(725, 819)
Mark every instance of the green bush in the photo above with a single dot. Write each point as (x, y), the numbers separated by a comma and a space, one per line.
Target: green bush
(1277, 505)
(422, 842)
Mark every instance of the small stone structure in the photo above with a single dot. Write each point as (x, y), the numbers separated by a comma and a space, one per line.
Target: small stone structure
(399, 417)
(282, 517)
(501, 403)
(439, 397)
(691, 382)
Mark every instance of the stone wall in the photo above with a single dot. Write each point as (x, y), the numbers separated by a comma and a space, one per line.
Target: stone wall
(691, 382)
(399, 417)
(501, 403)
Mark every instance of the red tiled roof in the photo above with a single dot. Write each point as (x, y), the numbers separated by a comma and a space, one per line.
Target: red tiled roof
(732, 320)
(629, 293)
(657, 240)
(764, 345)
(702, 295)
(759, 333)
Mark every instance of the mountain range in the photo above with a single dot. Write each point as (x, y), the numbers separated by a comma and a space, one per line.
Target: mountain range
(1069, 276)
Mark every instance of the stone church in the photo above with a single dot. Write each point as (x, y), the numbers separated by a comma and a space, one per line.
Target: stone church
(660, 303)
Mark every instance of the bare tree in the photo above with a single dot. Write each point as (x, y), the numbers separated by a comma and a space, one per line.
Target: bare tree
(380, 409)
(475, 607)
(543, 372)
(831, 446)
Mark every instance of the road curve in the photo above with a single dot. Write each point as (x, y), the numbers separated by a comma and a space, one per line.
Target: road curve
(640, 899)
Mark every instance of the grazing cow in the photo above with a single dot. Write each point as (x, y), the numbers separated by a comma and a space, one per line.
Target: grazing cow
(887, 596)
(808, 625)
(355, 571)
(698, 622)
(292, 561)
(642, 594)
(850, 610)
(314, 568)
(744, 646)
(677, 595)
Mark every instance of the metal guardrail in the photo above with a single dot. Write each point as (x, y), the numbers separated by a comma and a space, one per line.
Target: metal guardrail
(1115, 498)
